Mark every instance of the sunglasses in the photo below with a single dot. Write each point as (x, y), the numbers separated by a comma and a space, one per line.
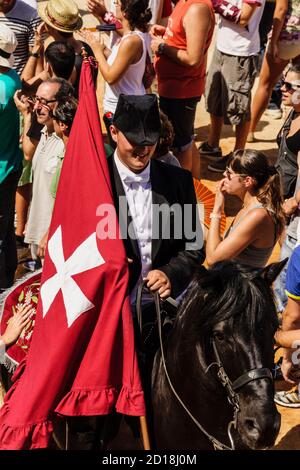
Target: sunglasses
(230, 174)
(290, 86)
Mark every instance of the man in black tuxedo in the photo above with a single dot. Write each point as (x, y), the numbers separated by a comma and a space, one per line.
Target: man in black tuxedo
(163, 250)
(156, 203)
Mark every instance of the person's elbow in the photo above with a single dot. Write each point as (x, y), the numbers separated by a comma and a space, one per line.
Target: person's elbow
(210, 260)
(111, 80)
(244, 22)
(281, 11)
(28, 156)
(194, 61)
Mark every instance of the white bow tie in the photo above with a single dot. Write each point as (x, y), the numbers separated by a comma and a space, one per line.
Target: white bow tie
(137, 178)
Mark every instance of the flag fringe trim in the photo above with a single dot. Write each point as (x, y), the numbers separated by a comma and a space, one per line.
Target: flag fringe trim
(87, 402)
(24, 437)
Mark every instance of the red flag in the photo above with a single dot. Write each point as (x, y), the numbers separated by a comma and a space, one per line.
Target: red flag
(82, 359)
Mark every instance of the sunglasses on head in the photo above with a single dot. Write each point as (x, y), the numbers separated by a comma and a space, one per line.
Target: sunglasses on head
(290, 86)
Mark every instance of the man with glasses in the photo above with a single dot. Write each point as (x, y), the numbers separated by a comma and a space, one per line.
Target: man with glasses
(45, 160)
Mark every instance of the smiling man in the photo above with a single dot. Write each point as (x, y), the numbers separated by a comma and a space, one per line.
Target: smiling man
(44, 161)
(165, 261)
(159, 219)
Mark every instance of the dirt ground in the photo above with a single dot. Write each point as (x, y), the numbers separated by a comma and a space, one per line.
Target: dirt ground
(289, 436)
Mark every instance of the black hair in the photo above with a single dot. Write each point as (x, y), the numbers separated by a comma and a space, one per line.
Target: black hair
(65, 112)
(61, 56)
(294, 68)
(137, 13)
(65, 90)
(166, 136)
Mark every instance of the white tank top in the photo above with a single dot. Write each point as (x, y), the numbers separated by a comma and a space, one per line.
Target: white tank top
(131, 82)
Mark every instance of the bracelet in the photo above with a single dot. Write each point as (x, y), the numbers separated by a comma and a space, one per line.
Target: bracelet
(215, 216)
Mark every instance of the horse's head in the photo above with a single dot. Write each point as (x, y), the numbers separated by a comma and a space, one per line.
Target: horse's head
(230, 313)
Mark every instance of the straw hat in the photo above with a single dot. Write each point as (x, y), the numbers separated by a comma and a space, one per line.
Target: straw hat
(8, 43)
(62, 15)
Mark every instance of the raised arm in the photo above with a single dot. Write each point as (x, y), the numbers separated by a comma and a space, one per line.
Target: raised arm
(234, 14)
(197, 23)
(280, 12)
(29, 145)
(129, 50)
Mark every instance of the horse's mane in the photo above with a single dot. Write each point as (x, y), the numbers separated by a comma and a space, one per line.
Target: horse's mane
(228, 291)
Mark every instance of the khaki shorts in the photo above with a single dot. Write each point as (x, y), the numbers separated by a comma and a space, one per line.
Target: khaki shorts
(228, 87)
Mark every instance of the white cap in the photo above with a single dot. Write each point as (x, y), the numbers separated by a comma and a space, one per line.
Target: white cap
(8, 43)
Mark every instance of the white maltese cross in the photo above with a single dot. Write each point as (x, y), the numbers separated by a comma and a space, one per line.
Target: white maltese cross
(85, 257)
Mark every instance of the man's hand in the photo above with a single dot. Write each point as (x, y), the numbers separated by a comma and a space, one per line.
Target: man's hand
(22, 103)
(17, 324)
(290, 206)
(157, 31)
(159, 281)
(43, 245)
(290, 374)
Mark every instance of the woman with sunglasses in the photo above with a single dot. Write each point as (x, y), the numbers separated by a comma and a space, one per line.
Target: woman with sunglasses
(257, 226)
(288, 138)
(283, 47)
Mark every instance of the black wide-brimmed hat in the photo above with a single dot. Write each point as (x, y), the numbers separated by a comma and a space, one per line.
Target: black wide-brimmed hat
(138, 118)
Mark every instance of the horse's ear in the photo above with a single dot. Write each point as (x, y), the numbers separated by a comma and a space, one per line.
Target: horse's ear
(270, 272)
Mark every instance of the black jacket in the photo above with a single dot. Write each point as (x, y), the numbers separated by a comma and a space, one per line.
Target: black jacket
(170, 185)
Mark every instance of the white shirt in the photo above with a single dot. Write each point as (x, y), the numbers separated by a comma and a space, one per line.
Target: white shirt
(138, 191)
(44, 165)
(131, 83)
(237, 40)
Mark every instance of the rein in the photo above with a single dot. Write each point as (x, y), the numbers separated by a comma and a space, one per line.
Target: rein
(230, 387)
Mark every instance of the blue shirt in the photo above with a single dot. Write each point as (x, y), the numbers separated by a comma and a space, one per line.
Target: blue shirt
(10, 153)
(293, 275)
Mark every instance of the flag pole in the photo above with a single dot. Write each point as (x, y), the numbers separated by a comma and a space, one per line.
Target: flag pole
(145, 433)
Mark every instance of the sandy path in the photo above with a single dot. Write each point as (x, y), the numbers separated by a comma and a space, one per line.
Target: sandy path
(289, 436)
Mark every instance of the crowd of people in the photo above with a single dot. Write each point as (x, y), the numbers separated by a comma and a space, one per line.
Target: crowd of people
(151, 149)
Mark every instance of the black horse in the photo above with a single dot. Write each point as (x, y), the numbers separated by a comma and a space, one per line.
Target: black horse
(219, 358)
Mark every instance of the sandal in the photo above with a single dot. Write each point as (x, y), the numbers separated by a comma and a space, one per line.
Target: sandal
(289, 399)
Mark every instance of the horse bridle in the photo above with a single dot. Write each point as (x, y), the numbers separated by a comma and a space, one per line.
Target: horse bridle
(230, 387)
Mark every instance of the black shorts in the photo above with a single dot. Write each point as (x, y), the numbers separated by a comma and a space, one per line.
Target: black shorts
(181, 113)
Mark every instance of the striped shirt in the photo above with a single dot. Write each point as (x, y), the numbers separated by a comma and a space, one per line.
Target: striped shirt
(22, 19)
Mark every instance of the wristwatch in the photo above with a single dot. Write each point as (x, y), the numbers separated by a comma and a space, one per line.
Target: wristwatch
(34, 54)
(160, 49)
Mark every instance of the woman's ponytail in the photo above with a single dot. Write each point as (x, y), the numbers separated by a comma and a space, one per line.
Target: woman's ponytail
(271, 197)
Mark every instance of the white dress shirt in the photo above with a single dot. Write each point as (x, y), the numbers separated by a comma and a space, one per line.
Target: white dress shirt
(137, 188)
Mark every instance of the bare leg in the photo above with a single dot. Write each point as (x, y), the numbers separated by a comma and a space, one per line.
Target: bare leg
(241, 133)
(23, 197)
(195, 161)
(269, 75)
(185, 158)
(215, 130)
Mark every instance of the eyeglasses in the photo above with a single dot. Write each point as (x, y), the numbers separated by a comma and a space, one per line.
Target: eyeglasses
(41, 101)
(290, 86)
(230, 174)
